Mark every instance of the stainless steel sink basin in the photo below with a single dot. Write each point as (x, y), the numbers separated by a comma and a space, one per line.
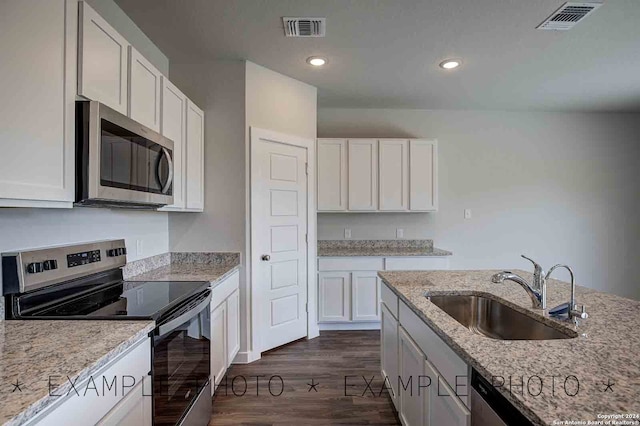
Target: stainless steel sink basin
(494, 319)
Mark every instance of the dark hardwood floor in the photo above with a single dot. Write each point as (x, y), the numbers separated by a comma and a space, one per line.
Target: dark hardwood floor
(329, 360)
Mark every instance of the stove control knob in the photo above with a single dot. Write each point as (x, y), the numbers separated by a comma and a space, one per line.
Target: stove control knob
(112, 252)
(50, 265)
(35, 268)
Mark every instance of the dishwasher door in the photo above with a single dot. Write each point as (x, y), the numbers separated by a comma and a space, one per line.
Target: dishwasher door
(490, 408)
(481, 412)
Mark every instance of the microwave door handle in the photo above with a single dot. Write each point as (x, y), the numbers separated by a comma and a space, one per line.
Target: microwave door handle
(169, 326)
(166, 186)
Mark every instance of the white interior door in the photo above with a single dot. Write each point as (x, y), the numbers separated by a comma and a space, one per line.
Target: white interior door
(279, 247)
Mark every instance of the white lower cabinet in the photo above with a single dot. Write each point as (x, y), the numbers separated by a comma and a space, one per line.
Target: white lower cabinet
(412, 382)
(233, 326)
(349, 289)
(365, 296)
(444, 407)
(389, 351)
(120, 394)
(218, 343)
(423, 371)
(225, 326)
(334, 295)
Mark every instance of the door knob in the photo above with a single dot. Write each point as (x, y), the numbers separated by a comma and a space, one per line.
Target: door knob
(266, 257)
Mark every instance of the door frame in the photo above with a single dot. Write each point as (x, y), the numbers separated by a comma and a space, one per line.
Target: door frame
(256, 134)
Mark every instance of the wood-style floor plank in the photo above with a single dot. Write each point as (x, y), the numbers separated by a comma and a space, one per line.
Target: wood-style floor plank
(329, 360)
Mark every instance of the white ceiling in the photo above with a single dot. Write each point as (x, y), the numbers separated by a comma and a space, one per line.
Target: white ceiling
(385, 53)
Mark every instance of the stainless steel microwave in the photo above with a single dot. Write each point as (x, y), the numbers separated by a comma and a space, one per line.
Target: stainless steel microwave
(120, 162)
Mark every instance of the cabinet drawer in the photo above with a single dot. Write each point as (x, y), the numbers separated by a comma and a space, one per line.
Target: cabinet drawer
(416, 263)
(351, 264)
(223, 290)
(390, 300)
(450, 366)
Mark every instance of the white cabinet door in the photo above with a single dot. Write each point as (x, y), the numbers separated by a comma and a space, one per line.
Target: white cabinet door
(444, 407)
(332, 174)
(195, 158)
(37, 116)
(334, 298)
(218, 344)
(365, 296)
(102, 56)
(394, 175)
(144, 90)
(414, 393)
(363, 174)
(423, 175)
(233, 326)
(134, 409)
(173, 125)
(389, 351)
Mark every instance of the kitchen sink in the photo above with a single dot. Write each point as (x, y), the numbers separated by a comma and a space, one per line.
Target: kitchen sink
(494, 319)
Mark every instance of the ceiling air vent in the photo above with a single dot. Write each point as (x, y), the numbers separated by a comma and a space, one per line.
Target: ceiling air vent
(304, 27)
(568, 15)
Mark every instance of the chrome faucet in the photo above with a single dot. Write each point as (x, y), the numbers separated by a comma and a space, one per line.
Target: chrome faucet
(537, 291)
(570, 309)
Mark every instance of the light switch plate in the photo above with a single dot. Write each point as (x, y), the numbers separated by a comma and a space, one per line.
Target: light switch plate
(139, 247)
(467, 213)
(399, 233)
(347, 233)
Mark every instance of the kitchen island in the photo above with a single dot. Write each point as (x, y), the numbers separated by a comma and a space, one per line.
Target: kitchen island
(549, 381)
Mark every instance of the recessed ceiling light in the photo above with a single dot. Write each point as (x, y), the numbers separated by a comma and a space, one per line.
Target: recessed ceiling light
(450, 64)
(316, 61)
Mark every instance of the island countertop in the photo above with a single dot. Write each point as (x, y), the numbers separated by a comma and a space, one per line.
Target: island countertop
(31, 352)
(601, 366)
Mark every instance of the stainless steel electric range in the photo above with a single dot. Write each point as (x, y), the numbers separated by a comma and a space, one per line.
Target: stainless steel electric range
(85, 281)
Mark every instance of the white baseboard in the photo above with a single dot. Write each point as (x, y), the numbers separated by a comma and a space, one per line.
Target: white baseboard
(349, 326)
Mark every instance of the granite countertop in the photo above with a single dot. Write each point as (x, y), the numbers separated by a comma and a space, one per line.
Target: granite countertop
(606, 351)
(33, 351)
(378, 248)
(193, 267)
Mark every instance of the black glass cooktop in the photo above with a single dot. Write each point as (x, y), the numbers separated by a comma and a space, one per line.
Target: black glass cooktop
(124, 299)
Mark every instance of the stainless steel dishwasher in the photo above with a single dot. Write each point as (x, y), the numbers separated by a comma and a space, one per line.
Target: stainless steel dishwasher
(490, 408)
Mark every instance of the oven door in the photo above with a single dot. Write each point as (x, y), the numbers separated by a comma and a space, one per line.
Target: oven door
(181, 365)
(126, 162)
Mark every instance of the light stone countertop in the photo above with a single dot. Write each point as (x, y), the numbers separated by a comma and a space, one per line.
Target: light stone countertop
(381, 252)
(606, 351)
(31, 352)
(189, 272)
(378, 248)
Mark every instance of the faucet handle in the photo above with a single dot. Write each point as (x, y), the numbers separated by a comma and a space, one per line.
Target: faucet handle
(536, 266)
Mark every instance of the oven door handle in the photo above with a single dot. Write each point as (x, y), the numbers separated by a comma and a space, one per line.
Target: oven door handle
(166, 186)
(168, 327)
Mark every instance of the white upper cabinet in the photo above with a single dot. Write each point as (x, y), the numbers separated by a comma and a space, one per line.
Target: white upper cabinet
(144, 90)
(423, 175)
(37, 116)
(102, 70)
(363, 174)
(385, 175)
(174, 127)
(332, 174)
(195, 158)
(394, 175)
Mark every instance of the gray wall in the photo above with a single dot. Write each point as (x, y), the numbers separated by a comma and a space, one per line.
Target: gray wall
(119, 20)
(235, 95)
(560, 187)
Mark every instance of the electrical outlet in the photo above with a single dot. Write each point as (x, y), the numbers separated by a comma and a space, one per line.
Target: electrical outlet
(399, 233)
(347, 233)
(139, 247)
(467, 213)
